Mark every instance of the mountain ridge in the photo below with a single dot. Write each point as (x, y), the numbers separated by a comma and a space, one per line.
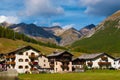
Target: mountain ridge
(53, 34)
(106, 37)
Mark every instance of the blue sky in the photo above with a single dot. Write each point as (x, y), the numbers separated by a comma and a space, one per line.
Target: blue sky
(66, 13)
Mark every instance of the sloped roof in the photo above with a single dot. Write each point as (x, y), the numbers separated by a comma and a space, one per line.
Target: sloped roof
(57, 54)
(24, 47)
(93, 56)
(117, 59)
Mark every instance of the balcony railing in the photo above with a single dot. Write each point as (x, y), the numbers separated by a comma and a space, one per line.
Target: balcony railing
(104, 63)
(12, 56)
(90, 63)
(33, 63)
(104, 58)
(33, 56)
(7, 56)
(12, 63)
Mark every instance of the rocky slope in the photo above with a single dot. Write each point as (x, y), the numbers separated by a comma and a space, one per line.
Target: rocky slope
(34, 31)
(69, 36)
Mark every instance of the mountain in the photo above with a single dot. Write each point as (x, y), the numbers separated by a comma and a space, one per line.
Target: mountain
(69, 36)
(105, 38)
(56, 30)
(35, 32)
(87, 29)
(5, 24)
(54, 34)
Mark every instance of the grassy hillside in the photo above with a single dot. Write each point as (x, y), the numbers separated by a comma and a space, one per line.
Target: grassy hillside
(106, 39)
(7, 45)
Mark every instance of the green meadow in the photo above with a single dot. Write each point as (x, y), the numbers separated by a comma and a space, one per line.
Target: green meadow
(88, 75)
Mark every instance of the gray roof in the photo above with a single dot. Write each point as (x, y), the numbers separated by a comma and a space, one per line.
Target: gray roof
(90, 56)
(117, 59)
(56, 53)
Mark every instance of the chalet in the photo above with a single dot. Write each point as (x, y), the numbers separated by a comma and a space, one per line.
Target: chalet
(61, 61)
(78, 64)
(99, 60)
(24, 59)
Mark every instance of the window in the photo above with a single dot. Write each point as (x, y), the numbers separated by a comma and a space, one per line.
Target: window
(44, 65)
(56, 63)
(32, 53)
(26, 60)
(20, 60)
(44, 60)
(20, 67)
(56, 69)
(20, 53)
(26, 67)
(26, 53)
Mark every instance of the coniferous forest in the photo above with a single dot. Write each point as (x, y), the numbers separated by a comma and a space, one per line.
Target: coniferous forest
(10, 34)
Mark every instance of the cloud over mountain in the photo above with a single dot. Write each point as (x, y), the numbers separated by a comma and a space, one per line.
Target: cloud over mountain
(10, 19)
(44, 8)
(100, 7)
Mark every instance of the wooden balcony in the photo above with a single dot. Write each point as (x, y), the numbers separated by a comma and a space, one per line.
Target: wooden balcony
(12, 56)
(8, 63)
(7, 56)
(33, 56)
(64, 60)
(104, 63)
(90, 63)
(12, 63)
(33, 63)
(104, 58)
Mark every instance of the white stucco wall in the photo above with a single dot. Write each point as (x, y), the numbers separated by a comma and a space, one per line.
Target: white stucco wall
(24, 56)
(43, 62)
(117, 64)
(57, 66)
(70, 66)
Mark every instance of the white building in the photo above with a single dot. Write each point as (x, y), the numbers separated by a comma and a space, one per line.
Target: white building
(43, 61)
(99, 60)
(26, 59)
(60, 61)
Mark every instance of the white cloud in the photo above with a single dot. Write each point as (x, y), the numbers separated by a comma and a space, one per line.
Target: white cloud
(10, 19)
(68, 26)
(56, 24)
(42, 7)
(100, 7)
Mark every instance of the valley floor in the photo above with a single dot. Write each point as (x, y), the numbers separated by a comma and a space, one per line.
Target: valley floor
(88, 75)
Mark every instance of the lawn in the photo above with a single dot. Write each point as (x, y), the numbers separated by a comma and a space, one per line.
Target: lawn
(88, 75)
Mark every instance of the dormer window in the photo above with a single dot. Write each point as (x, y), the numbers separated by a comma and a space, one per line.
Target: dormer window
(32, 53)
(26, 53)
(20, 53)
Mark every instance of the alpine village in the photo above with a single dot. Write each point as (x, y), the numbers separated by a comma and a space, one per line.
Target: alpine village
(31, 49)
